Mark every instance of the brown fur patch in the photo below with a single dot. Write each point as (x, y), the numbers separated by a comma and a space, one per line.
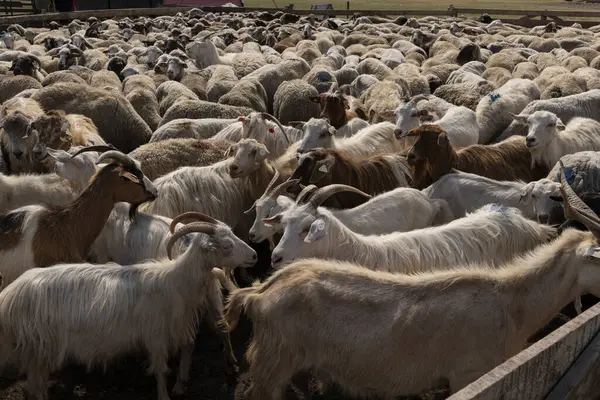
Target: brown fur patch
(508, 160)
(11, 229)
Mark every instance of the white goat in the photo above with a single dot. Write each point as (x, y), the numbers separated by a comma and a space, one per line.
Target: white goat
(494, 234)
(296, 318)
(460, 123)
(157, 305)
(375, 139)
(548, 139)
(399, 210)
(466, 192)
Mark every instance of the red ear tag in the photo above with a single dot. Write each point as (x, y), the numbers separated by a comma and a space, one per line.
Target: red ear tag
(271, 130)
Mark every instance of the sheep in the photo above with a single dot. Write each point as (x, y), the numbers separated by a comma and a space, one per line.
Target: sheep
(14, 85)
(28, 65)
(16, 115)
(294, 316)
(374, 175)
(548, 138)
(139, 90)
(293, 102)
(375, 139)
(466, 240)
(335, 109)
(246, 93)
(196, 109)
(117, 121)
(579, 105)
(191, 128)
(33, 229)
(494, 110)
(60, 131)
(432, 156)
(460, 123)
(106, 80)
(162, 157)
(129, 308)
(221, 81)
(463, 94)
(381, 97)
(205, 54)
(172, 92)
(377, 216)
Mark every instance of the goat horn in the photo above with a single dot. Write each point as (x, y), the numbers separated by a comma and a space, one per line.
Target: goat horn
(575, 208)
(98, 148)
(326, 192)
(274, 179)
(272, 118)
(201, 227)
(279, 190)
(306, 192)
(193, 216)
(116, 155)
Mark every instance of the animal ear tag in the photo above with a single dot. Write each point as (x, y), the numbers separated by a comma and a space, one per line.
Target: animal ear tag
(317, 231)
(593, 252)
(271, 130)
(323, 169)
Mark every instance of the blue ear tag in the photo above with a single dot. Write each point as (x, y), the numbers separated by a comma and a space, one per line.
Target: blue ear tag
(494, 96)
(569, 175)
(501, 208)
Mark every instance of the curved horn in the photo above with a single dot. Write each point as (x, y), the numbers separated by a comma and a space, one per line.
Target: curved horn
(99, 148)
(272, 118)
(279, 190)
(326, 192)
(116, 155)
(418, 98)
(274, 179)
(201, 227)
(305, 194)
(575, 208)
(193, 216)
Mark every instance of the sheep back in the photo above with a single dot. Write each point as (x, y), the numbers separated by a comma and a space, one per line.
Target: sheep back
(292, 102)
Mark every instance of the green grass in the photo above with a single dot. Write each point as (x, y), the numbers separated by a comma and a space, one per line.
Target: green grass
(551, 5)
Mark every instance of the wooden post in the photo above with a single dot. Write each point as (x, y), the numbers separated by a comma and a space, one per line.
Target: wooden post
(347, 4)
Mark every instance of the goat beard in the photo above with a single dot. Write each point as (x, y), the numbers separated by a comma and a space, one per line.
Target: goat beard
(133, 212)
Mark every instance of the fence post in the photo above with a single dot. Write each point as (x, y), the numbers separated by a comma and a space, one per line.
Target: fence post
(348, 5)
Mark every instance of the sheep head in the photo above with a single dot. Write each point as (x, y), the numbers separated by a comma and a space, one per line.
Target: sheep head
(15, 139)
(175, 69)
(248, 156)
(305, 226)
(51, 130)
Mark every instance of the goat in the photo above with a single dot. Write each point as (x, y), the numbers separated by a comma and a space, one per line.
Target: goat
(28, 234)
(119, 304)
(493, 229)
(432, 156)
(399, 210)
(335, 109)
(373, 175)
(375, 139)
(296, 317)
(548, 138)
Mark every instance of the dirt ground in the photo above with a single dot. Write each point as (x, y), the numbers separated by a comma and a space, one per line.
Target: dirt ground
(126, 379)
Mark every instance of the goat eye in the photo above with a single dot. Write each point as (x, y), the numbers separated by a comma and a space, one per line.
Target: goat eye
(551, 125)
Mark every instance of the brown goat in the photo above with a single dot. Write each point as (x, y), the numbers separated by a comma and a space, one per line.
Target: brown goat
(432, 157)
(373, 175)
(336, 108)
(50, 235)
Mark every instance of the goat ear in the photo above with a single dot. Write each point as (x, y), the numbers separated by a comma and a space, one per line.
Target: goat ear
(274, 220)
(243, 119)
(442, 140)
(230, 152)
(129, 176)
(321, 169)
(360, 112)
(560, 126)
(425, 116)
(317, 231)
(522, 119)
(331, 130)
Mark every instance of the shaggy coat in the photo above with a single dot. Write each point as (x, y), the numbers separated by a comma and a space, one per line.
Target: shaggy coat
(354, 326)
(373, 175)
(432, 157)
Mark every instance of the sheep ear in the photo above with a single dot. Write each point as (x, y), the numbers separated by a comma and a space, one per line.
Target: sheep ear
(12, 66)
(321, 169)
(560, 126)
(442, 140)
(315, 99)
(317, 231)
(230, 152)
(525, 194)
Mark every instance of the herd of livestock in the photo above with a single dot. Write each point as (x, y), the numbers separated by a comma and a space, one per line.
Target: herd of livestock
(427, 188)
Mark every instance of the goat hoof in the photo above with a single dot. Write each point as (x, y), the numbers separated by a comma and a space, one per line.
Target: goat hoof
(180, 388)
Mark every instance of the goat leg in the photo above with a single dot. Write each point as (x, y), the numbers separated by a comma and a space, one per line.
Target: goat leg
(184, 369)
(215, 322)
